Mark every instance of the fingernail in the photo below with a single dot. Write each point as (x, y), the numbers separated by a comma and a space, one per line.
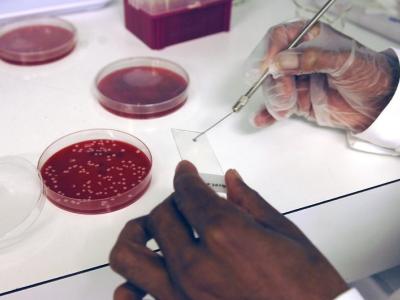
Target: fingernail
(236, 174)
(185, 167)
(286, 61)
(274, 71)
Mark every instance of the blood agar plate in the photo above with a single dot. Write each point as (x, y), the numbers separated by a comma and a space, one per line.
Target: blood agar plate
(36, 41)
(21, 198)
(142, 87)
(95, 171)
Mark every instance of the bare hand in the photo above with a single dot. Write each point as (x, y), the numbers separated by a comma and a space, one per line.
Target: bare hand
(245, 249)
(329, 78)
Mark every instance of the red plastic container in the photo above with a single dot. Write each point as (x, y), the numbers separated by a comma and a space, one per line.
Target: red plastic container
(160, 23)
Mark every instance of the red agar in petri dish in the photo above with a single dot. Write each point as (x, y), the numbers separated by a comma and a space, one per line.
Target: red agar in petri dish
(96, 176)
(137, 89)
(36, 42)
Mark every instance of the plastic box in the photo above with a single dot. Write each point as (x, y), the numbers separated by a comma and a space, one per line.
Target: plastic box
(160, 23)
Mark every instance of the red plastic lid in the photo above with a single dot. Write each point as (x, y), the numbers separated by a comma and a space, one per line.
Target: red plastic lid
(36, 41)
(142, 87)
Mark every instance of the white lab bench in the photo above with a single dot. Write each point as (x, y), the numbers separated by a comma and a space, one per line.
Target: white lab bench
(345, 201)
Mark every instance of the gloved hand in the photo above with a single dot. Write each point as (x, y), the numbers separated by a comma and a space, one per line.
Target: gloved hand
(329, 78)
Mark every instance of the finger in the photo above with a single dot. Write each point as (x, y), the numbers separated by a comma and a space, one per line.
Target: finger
(135, 231)
(128, 291)
(198, 203)
(250, 201)
(285, 96)
(295, 98)
(281, 96)
(311, 60)
(171, 231)
(279, 37)
(343, 115)
(139, 265)
(327, 106)
(304, 107)
(332, 110)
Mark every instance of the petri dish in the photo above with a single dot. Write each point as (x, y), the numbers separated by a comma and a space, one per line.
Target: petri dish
(21, 198)
(142, 87)
(36, 41)
(95, 171)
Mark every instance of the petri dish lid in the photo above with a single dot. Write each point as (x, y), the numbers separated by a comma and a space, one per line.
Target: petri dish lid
(21, 198)
(36, 40)
(142, 87)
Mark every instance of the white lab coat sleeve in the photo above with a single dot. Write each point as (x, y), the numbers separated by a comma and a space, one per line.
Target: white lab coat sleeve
(383, 136)
(351, 294)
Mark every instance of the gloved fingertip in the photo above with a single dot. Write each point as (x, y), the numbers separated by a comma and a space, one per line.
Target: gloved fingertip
(285, 61)
(261, 119)
(274, 71)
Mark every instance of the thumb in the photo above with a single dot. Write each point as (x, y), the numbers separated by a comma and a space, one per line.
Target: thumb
(303, 61)
(262, 212)
(128, 291)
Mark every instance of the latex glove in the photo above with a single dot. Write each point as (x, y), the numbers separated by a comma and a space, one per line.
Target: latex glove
(329, 78)
(245, 249)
